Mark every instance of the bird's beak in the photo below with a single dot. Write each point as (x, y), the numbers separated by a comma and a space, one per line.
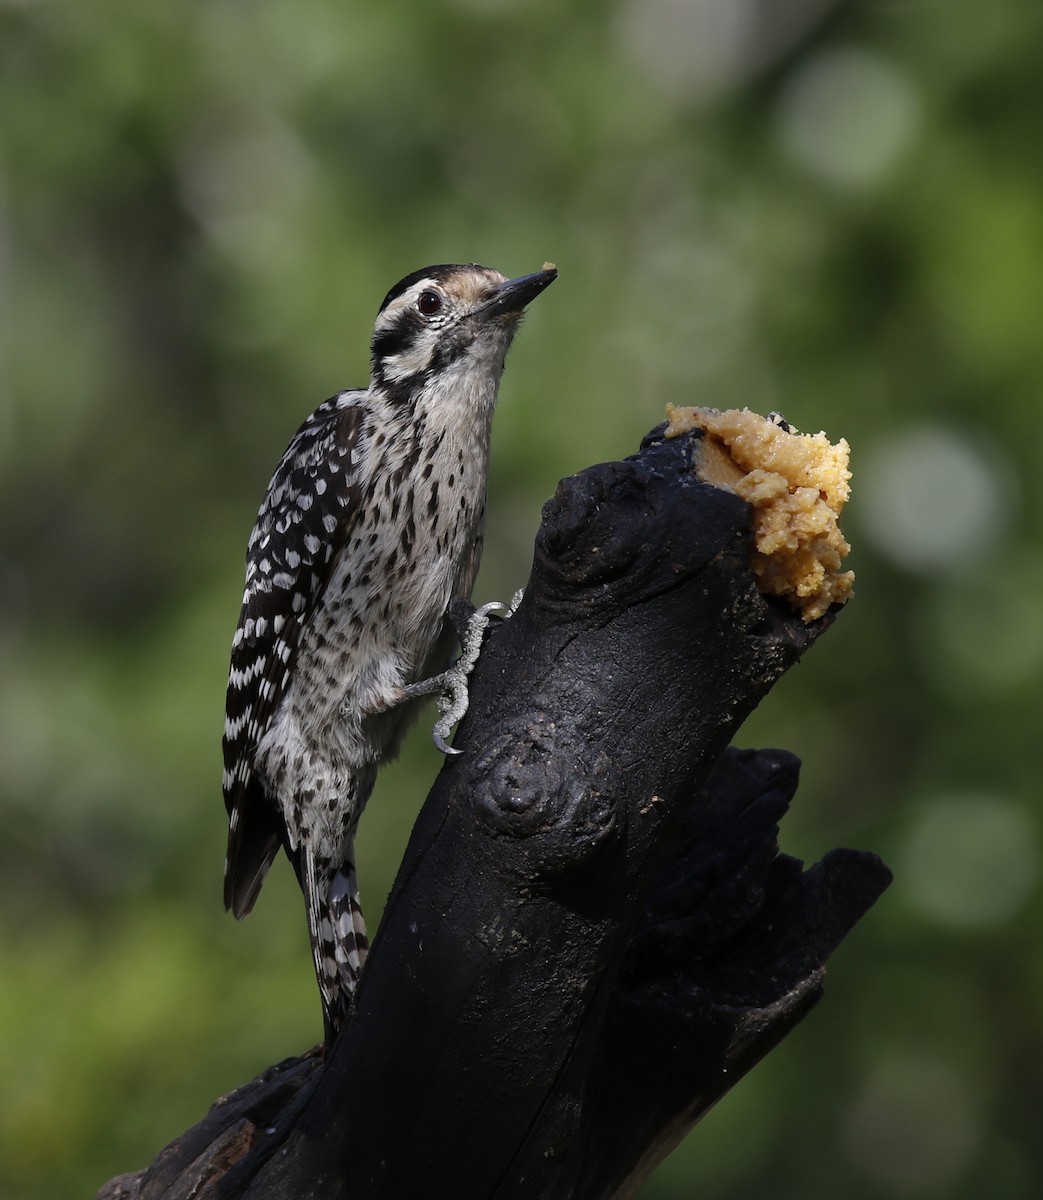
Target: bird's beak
(515, 294)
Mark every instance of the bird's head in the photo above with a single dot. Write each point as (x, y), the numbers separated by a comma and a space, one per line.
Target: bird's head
(449, 321)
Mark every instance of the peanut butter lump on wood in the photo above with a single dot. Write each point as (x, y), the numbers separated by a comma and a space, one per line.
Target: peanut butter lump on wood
(797, 485)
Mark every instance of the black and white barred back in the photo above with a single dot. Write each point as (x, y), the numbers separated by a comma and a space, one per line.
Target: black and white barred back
(371, 526)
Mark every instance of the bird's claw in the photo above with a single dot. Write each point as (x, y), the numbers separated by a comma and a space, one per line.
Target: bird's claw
(495, 608)
(440, 742)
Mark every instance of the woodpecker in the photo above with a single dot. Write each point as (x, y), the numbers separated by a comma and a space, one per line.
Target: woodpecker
(370, 528)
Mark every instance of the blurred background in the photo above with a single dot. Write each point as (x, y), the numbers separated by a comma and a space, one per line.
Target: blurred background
(832, 209)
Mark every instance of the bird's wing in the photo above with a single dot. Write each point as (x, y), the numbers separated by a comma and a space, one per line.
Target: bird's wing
(309, 509)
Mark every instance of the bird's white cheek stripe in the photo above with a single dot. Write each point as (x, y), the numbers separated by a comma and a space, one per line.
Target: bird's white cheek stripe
(412, 361)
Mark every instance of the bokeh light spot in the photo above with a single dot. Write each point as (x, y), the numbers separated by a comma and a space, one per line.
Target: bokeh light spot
(969, 860)
(848, 117)
(930, 497)
(694, 51)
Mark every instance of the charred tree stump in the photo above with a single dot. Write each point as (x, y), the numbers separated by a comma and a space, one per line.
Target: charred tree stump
(593, 934)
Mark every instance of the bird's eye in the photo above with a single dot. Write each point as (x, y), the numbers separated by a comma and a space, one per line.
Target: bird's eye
(429, 303)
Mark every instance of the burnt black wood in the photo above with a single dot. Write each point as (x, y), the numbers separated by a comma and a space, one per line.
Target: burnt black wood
(592, 935)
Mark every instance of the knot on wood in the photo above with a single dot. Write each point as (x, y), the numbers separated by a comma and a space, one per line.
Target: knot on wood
(587, 529)
(559, 813)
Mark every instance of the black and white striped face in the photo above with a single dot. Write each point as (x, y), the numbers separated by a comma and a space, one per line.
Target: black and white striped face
(435, 318)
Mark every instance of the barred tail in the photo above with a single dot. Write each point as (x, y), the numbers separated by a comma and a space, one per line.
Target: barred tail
(339, 943)
(349, 926)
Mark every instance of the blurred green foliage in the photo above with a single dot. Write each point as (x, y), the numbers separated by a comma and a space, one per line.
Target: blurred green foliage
(833, 209)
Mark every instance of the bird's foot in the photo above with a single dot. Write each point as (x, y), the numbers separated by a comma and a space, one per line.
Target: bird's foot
(453, 698)
(451, 685)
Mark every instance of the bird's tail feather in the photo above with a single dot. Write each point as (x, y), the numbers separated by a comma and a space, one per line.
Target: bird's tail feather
(349, 926)
(339, 943)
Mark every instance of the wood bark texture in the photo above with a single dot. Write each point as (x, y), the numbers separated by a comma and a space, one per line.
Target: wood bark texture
(593, 934)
